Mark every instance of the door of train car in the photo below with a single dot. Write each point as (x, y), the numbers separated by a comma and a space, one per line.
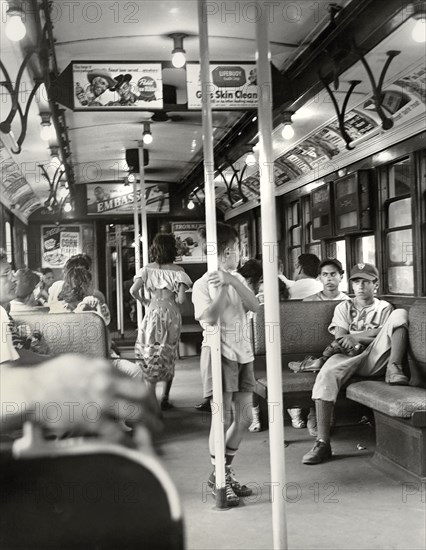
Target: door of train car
(120, 270)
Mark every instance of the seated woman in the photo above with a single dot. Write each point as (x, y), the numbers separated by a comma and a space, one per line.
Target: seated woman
(76, 296)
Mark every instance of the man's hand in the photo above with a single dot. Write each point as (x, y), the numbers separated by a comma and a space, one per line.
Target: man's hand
(348, 341)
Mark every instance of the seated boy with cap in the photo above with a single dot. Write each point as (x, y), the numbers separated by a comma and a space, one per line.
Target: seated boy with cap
(371, 339)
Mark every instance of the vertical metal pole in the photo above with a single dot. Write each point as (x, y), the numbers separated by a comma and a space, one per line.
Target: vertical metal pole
(119, 280)
(144, 225)
(137, 245)
(213, 336)
(270, 276)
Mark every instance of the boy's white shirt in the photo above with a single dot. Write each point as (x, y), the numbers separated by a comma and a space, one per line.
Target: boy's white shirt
(235, 329)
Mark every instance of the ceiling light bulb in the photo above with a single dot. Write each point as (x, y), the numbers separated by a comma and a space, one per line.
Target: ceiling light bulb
(190, 204)
(178, 60)
(67, 207)
(250, 158)
(419, 32)
(15, 28)
(46, 132)
(63, 192)
(147, 138)
(287, 132)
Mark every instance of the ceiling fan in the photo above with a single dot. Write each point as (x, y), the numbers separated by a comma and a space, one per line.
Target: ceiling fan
(188, 117)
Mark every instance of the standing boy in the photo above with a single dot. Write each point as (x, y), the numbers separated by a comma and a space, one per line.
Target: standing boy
(224, 295)
(363, 320)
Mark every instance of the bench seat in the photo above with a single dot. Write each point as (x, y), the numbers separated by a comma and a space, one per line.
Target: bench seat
(396, 401)
(400, 422)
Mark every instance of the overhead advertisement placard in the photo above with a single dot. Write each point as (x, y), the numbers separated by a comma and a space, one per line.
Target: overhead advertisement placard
(59, 243)
(109, 199)
(232, 86)
(117, 86)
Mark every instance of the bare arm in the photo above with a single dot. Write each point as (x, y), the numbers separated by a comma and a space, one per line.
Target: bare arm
(347, 340)
(250, 302)
(181, 296)
(136, 290)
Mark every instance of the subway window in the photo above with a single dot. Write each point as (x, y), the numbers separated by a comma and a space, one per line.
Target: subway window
(312, 246)
(398, 234)
(8, 241)
(295, 234)
(365, 250)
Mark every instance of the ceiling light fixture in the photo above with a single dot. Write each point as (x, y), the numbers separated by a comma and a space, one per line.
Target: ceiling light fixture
(15, 28)
(147, 136)
(67, 207)
(54, 155)
(418, 33)
(250, 158)
(46, 132)
(287, 131)
(178, 52)
(190, 205)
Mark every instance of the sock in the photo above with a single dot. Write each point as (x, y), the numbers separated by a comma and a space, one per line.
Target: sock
(398, 345)
(229, 455)
(324, 411)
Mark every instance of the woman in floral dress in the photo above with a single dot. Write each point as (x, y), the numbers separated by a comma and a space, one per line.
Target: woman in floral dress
(160, 286)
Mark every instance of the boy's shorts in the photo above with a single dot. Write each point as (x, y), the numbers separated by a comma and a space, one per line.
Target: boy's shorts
(236, 377)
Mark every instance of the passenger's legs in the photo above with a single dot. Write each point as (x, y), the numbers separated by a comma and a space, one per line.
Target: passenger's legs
(165, 404)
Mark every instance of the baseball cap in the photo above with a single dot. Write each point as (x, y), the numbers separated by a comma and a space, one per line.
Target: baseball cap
(332, 261)
(364, 271)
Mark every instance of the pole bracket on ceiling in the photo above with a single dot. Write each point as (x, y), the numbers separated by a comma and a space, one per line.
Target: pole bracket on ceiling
(14, 91)
(341, 113)
(237, 176)
(377, 88)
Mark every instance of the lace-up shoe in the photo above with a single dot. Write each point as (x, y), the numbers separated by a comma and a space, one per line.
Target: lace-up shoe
(320, 452)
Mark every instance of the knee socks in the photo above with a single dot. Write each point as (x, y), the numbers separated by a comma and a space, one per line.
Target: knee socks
(229, 456)
(398, 345)
(324, 411)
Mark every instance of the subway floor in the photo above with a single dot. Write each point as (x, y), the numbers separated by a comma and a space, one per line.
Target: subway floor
(345, 503)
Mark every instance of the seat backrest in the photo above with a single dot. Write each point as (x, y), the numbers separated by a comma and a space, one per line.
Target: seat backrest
(70, 332)
(417, 342)
(88, 495)
(303, 327)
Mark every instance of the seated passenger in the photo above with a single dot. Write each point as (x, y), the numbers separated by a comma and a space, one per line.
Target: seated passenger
(26, 282)
(17, 343)
(305, 284)
(252, 271)
(79, 260)
(41, 292)
(305, 280)
(331, 273)
(361, 321)
(77, 296)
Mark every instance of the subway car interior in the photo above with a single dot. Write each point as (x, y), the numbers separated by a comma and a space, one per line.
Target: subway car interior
(302, 126)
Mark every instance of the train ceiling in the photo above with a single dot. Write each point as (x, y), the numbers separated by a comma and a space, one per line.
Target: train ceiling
(120, 35)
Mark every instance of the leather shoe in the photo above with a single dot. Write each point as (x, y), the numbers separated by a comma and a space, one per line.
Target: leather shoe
(320, 452)
(395, 376)
(204, 406)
